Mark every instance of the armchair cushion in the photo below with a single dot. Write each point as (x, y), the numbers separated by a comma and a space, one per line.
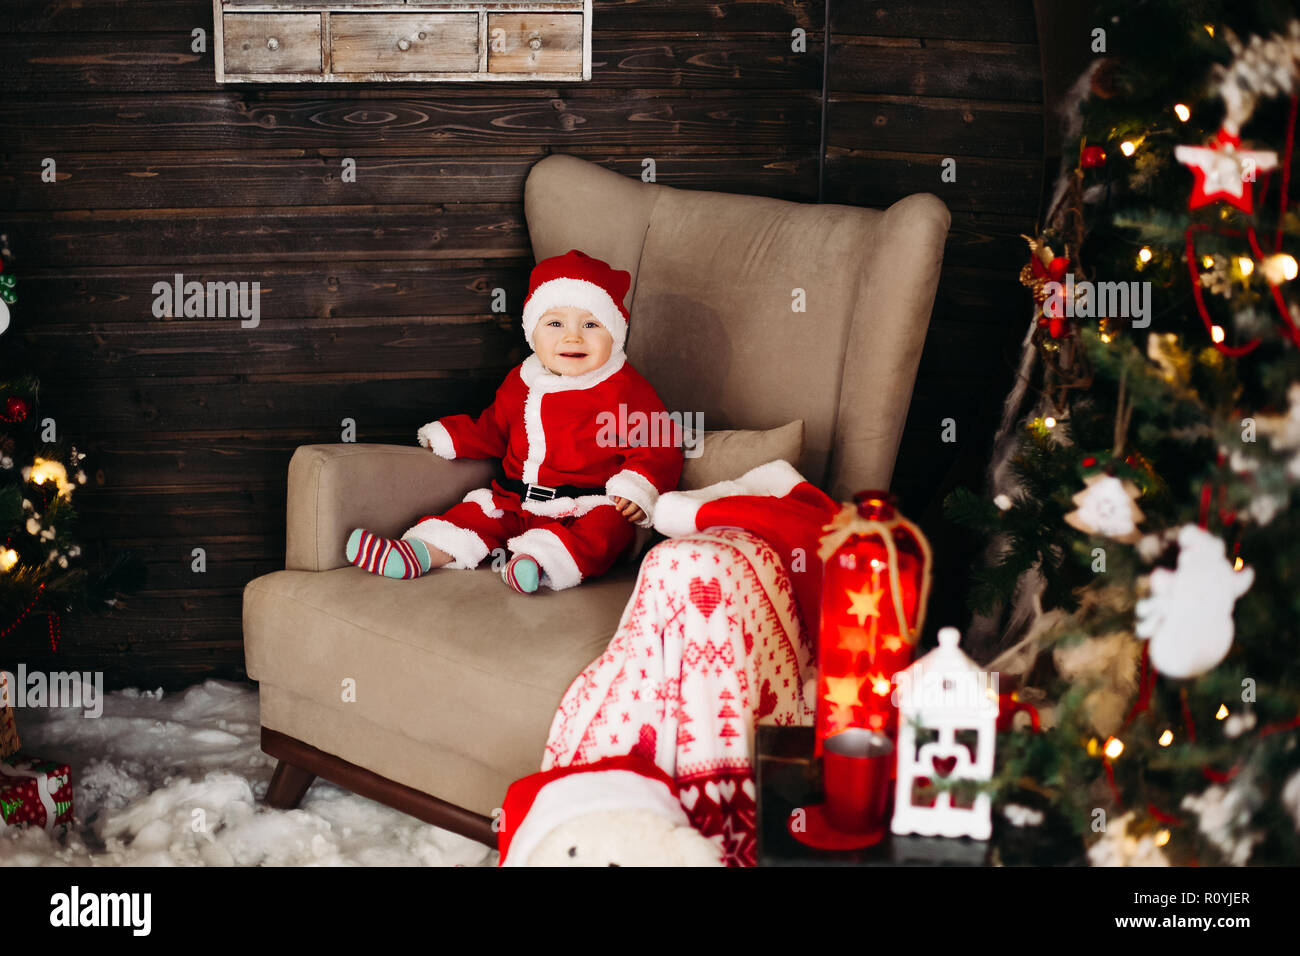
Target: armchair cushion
(727, 455)
(460, 669)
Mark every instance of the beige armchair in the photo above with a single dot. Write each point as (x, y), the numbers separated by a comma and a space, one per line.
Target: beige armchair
(433, 695)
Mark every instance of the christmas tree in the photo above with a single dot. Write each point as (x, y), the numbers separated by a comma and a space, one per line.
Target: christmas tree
(1145, 576)
(42, 577)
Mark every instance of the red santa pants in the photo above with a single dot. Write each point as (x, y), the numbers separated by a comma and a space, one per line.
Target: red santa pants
(567, 549)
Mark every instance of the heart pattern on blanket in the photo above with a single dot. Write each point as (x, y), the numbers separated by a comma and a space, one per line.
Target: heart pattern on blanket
(645, 745)
(706, 597)
(669, 675)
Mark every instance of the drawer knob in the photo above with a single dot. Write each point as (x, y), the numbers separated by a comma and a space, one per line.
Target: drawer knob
(535, 43)
(272, 43)
(403, 44)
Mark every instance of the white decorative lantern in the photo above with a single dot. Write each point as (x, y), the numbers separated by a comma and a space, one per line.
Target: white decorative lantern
(944, 692)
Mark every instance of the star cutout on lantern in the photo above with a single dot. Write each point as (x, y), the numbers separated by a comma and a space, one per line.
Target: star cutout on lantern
(864, 604)
(1222, 171)
(880, 685)
(839, 718)
(892, 643)
(844, 691)
(855, 640)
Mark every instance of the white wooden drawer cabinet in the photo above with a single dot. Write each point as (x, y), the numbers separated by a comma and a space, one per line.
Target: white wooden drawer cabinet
(301, 41)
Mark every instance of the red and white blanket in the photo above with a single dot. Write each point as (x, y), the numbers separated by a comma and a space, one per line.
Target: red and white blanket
(712, 642)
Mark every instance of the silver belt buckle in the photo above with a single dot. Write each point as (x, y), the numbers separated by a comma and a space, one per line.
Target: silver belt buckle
(529, 496)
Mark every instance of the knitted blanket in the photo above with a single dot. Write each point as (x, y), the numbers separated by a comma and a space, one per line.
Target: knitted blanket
(711, 644)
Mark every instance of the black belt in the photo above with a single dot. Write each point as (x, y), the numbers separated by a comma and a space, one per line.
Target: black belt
(527, 492)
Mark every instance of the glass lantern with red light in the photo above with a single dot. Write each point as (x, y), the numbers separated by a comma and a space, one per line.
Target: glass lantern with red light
(875, 585)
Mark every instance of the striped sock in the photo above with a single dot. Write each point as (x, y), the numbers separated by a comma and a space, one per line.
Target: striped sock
(391, 557)
(521, 573)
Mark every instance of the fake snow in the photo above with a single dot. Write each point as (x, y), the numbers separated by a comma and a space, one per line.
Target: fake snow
(179, 780)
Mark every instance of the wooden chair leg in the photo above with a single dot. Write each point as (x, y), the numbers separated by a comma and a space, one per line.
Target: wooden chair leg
(288, 786)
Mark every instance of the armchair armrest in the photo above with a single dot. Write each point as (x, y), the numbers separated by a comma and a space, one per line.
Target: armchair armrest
(386, 488)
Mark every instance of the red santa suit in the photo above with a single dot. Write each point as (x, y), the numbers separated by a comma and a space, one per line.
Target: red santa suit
(604, 432)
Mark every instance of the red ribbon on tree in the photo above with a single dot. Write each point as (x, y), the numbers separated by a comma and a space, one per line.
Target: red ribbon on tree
(52, 620)
(27, 610)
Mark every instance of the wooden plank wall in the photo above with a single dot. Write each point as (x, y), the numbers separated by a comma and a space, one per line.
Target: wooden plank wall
(375, 294)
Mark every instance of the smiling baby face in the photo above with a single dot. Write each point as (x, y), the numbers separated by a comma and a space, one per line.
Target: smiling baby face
(569, 341)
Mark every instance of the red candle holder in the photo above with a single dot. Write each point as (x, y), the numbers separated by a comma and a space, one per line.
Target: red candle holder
(875, 584)
(857, 769)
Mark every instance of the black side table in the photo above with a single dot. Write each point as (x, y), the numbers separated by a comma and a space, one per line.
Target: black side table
(787, 777)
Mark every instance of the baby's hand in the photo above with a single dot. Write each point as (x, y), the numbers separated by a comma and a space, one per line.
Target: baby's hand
(628, 509)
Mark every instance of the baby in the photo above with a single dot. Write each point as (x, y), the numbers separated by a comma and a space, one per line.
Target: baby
(570, 497)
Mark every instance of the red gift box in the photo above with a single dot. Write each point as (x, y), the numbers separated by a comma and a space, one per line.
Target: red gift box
(35, 792)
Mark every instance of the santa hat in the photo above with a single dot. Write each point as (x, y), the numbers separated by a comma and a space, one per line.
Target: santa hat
(537, 804)
(577, 279)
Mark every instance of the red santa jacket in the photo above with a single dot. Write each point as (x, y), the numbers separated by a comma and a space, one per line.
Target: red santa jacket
(604, 429)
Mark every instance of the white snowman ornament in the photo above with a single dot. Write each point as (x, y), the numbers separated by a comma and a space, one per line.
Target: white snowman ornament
(1188, 617)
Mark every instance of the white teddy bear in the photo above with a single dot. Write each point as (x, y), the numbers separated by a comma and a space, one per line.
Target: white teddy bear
(621, 811)
(625, 838)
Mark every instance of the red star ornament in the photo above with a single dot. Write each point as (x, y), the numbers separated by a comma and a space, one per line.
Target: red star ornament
(1220, 171)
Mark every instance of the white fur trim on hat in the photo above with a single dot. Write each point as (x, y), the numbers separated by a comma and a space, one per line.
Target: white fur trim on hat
(579, 794)
(568, 291)
(677, 511)
(636, 488)
(465, 546)
(559, 570)
(435, 437)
